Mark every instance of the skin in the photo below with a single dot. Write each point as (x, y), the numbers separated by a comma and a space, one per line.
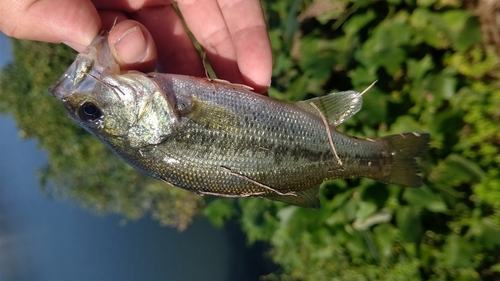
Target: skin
(232, 33)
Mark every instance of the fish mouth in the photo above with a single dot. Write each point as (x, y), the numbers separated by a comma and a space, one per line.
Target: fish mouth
(63, 87)
(86, 70)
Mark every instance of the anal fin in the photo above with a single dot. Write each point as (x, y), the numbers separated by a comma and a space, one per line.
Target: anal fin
(307, 198)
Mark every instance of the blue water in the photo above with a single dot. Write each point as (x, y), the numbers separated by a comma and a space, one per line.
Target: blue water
(45, 239)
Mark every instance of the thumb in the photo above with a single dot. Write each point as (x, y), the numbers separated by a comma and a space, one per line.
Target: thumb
(132, 46)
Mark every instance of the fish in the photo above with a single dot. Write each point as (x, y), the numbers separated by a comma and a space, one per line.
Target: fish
(214, 137)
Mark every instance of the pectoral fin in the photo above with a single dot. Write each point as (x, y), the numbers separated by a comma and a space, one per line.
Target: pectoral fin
(211, 116)
(335, 107)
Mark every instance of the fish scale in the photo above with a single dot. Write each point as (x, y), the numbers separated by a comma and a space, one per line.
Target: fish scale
(217, 138)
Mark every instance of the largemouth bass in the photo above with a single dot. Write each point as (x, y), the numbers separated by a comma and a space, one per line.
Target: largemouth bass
(217, 138)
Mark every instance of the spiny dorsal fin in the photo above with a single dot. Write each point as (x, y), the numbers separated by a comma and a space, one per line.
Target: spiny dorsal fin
(335, 107)
(227, 83)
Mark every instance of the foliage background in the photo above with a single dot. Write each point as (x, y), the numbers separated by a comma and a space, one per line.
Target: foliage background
(437, 66)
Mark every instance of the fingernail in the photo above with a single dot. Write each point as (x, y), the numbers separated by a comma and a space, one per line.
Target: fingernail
(75, 46)
(131, 46)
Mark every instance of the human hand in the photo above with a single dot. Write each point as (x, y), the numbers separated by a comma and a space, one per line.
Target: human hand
(232, 33)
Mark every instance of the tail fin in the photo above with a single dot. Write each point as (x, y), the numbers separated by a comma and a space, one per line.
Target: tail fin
(404, 149)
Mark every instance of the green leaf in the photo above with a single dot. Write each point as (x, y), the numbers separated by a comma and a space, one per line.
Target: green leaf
(258, 224)
(384, 47)
(385, 236)
(476, 62)
(286, 214)
(365, 209)
(374, 109)
(409, 224)
(219, 211)
(455, 170)
(317, 57)
(429, 28)
(418, 69)
(496, 268)
(362, 76)
(488, 190)
(405, 123)
(297, 90)
(443, 86)
(462, 29)
(357, 22)
(488, 233)
(459, 252)
(362, 3)
(425, 197)
(363, 223)
(426, 3)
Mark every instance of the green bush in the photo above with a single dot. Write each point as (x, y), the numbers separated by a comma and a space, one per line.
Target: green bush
(436, 74)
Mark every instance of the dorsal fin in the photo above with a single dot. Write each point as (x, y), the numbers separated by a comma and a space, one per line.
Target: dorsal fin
(227, 83)
(335, 107)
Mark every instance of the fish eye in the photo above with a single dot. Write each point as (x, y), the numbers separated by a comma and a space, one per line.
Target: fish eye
(89, 112)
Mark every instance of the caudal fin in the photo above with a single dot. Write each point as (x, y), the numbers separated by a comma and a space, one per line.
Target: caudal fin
(405, 148)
